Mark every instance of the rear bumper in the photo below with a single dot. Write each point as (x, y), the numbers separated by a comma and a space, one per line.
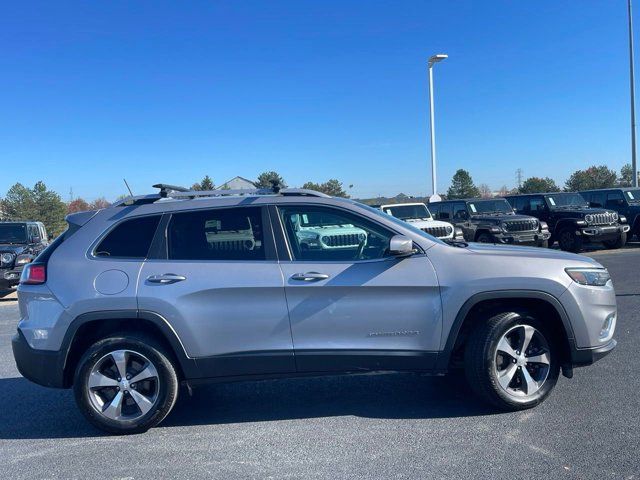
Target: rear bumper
(44, 367)
(586, 356)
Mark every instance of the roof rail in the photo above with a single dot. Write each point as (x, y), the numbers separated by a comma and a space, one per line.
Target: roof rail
(173, 191)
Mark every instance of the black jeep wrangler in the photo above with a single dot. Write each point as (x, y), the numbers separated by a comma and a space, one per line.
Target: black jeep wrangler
(491, 221)
(20, 243)
(572, 222)
(625, 201)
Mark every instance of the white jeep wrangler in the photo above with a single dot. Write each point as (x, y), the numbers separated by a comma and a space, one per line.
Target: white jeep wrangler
(418, 215)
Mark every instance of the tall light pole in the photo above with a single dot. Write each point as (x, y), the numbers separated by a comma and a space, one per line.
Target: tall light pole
(634, 165)
(434, 184)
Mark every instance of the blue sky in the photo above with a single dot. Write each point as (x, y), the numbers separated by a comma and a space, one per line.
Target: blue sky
(91, 92)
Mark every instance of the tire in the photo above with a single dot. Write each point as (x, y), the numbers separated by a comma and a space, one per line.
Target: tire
(143, 404)
(619, 242)
(569, 241)
(485, 238)
(488, 368)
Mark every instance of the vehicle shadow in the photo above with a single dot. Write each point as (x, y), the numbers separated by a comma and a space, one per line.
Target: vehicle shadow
(37, 412)
(4, 294)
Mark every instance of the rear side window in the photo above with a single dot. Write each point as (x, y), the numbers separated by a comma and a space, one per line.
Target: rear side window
(130, 239)
(220, 234)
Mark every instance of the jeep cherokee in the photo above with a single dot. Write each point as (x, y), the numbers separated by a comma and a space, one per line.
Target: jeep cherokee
(141, 297)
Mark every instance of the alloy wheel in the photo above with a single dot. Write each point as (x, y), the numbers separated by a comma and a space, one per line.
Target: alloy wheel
(522, 361)
(123, 385)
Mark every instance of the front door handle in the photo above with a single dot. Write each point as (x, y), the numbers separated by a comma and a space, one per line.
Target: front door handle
(166, 278)
(309, 276)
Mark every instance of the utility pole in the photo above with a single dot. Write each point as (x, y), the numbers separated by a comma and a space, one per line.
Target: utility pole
(634, 165)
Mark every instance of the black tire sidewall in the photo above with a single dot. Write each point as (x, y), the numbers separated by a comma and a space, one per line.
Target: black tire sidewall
(483, 362)
(485, 238)
(168, 384)
(576, 242)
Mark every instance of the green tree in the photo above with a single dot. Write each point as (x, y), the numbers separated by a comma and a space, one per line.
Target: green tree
(539, 185)
(267, 179)
(39, 204)
(205, 184)
(591, 178)
(331, 187)
(462, 186)
(626, 176)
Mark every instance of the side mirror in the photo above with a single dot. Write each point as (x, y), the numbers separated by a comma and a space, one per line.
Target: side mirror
(401, 246)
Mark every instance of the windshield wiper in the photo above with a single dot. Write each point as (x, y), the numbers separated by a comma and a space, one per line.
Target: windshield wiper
(456, 243)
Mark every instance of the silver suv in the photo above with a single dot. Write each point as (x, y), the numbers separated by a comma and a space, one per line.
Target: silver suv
(185, 287)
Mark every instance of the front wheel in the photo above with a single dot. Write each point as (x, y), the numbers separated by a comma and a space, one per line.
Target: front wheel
(619, 242)
(569, 241)
(511, 361)
(485, 238)
(125, 384)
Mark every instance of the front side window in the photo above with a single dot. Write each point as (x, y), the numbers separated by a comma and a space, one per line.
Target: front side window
(460, 211)
(614, 199)
(326, 234)
(130, 239)
(219, 234)
(597, 200)
(536, 204)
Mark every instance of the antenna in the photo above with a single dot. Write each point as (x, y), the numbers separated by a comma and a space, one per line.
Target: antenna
(125, 182)
(519, 177)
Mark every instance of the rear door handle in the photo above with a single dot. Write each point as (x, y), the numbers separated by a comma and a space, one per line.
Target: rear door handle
(309, 276)
(166, 278)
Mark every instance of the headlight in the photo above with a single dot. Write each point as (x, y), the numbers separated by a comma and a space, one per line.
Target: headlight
(623, 219)
(581, 222)
(595, 277)
(6, 258)
(496, 229)
(24, 259)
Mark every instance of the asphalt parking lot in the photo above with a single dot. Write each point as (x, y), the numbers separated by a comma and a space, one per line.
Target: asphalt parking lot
(385, 426)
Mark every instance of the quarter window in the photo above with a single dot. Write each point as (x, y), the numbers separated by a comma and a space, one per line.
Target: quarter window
(325, 234)
(130, 239)
(220, 234)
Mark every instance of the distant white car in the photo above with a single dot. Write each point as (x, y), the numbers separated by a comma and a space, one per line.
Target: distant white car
(418, 215)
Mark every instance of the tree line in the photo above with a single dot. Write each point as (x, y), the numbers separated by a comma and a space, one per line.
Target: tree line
(592, 178)
(39, 203)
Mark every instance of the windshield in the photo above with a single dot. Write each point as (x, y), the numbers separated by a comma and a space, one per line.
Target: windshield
(490, 206)
(409, 212)
(566, 200)
(633, 196)
(397, 221)
(13, 233)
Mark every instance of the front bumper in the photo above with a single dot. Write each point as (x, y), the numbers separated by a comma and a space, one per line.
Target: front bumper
(586, 356)
(602, 233)
(524, 238)
(44, 367)
(10, 276)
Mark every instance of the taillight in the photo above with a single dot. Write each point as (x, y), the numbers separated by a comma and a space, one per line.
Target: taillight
(34, 274)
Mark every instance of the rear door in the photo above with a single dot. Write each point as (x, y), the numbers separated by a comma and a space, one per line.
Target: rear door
(218, 284)
(352, 306)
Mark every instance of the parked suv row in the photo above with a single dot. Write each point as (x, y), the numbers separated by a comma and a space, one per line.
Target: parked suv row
(191, 287)
(572, 221)
(624, 201)
(492, 221)
(20, 243)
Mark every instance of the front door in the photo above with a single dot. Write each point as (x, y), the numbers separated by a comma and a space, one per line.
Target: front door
(221, 290)
(352, 306)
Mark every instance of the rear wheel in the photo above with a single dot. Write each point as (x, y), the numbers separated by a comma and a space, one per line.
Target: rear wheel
(125, 384)
(511, 361)
(619, 242)
(569, 241)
